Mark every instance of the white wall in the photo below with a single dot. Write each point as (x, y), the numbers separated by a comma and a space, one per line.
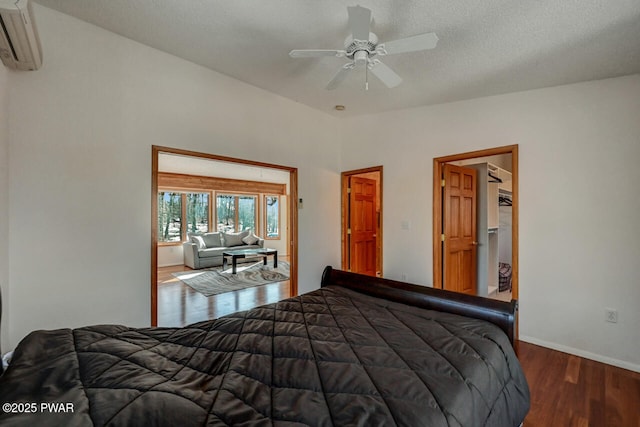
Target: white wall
(80, 178)
(170, 255)
(579, 177)
(4, 205)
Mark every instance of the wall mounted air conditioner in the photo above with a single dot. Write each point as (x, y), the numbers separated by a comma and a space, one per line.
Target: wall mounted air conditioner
(19, 42)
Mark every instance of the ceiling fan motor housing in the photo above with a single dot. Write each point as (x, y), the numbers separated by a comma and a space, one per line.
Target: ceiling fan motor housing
(360, 50)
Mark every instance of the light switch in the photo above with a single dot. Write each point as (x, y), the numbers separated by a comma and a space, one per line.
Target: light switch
(405, 225)
(300, 204)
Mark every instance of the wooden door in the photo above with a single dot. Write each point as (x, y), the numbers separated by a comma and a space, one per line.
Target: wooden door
(362, 225)
(459, 226)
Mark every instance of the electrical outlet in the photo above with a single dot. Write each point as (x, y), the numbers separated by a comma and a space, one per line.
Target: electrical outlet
(404, 277)
(611, 315)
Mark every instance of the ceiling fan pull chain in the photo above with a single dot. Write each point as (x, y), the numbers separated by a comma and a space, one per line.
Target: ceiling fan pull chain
(366, 77)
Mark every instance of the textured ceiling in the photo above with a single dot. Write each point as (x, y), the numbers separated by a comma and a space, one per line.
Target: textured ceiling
(486, 47)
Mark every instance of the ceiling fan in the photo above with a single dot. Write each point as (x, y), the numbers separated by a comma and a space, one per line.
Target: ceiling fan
(362, 49)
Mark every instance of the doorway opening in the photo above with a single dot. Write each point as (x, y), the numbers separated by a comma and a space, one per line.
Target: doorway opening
(197, 167)
(475, 258)
(362, 221)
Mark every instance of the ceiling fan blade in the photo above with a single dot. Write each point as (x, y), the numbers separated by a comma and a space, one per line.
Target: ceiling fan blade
(309, 53)
(386, 75)
(411, 44)
(359, 21)
(340, 76)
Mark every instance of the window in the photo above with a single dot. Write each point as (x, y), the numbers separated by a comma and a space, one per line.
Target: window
(272, 217)
(169, 217)
(197, 212)
(235, 212)
(226, 210)
(182, 211)
(247, 213)
(179, 213)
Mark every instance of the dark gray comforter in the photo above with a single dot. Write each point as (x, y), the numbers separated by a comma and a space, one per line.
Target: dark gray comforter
(330, 357)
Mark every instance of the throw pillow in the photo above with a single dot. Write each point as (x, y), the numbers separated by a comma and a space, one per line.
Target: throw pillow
(251, 239)
(199, 241)
(212, 240)
(235, 239)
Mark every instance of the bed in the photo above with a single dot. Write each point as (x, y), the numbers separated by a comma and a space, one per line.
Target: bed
(359, 351)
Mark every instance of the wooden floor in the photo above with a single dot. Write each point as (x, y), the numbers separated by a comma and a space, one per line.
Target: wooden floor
(568, 390)
(180, 305)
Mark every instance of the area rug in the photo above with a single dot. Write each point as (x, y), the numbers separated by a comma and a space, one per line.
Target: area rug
(214, 281)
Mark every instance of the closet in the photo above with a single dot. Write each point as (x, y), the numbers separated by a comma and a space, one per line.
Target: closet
(493, 225)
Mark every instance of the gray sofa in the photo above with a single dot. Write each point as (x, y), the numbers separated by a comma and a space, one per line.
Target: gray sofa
(202, 250)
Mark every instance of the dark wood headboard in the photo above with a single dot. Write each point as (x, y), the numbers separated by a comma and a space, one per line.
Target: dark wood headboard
(500, 313)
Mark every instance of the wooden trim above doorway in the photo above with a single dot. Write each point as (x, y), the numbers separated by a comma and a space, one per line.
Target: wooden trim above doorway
(292, 212)
(180, 181)
(437, 209)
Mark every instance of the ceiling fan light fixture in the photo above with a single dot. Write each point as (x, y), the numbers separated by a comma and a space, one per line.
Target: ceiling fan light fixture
(361, 57)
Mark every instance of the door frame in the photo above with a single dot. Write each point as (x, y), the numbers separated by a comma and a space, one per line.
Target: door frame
(345, 213)
(292, 198)
(438, 164)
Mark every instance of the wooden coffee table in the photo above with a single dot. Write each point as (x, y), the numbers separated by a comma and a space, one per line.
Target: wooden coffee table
(248, 253)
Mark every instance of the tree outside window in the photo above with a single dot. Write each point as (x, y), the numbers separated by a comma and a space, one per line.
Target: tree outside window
(197, 212)
(272, 217)
(226, 213)
(246, 213)
(235, 213)
(179, 213)
(169, 216)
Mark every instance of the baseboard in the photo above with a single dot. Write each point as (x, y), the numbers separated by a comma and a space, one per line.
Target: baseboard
(587, 355)
(170, 265)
